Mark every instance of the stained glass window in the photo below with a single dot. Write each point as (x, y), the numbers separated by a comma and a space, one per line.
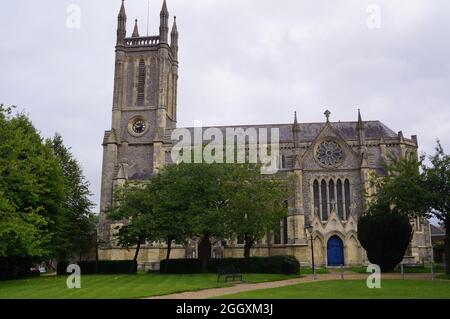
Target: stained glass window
(330, 154)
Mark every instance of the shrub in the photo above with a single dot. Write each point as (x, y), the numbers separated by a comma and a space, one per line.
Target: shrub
(385, 237)
(268, 265)
(102, 267)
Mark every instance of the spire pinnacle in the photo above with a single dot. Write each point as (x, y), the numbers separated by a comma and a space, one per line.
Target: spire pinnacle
(360, 125)
(295, 118)
(121, 25)
(296, 131)
(122, 10)
(164, 24)
(136, 29)
(174, 27)
(164, 8)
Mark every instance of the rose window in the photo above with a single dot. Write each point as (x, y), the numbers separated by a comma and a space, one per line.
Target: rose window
(329, 154)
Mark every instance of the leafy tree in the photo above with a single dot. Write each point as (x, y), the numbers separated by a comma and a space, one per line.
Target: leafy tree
(77, 223)
(21, 234)
(385, 235)
(171, 208)
(256, 204)
(403, 188)
(31, 187)
(134, 211)
(202, 189)
(44, 205)
(417, 188)
(437, 182)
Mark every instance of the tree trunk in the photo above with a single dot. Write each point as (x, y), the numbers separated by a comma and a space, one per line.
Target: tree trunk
(204, 252)
(169, 247)
(138, 247)
(248, 246)
(447, 245)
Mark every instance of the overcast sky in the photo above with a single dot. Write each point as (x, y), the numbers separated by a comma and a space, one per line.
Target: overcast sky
(241, 62)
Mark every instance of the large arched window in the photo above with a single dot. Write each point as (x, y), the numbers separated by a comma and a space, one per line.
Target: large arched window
(347, 198)
(316, 198)
(141, 84)
(323, 190)
(332, 196)
(340, 202)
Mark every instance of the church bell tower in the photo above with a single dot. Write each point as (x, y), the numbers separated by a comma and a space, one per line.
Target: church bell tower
(144, 103)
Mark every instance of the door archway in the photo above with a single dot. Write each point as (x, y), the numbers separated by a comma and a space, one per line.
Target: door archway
(335, 251)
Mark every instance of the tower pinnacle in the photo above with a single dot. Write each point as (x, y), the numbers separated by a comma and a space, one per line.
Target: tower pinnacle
(121, 24)
(164, 24)
(174, 38)
(136, 29)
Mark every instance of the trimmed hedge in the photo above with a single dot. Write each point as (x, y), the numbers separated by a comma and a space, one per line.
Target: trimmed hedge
(61, 268)
(15, 267)
(180, 266)
(102, 267)
(263, 265)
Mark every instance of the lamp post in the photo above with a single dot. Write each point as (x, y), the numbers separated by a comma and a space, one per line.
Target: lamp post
(309, 229)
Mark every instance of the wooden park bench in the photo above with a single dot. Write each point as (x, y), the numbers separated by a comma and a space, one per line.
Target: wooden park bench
(228, 272)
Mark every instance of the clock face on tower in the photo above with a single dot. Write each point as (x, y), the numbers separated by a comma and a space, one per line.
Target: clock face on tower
(138, 126)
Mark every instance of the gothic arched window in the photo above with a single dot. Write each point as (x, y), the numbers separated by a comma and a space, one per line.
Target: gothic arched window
(332, 196)
(340, 202)
(347, 198)
(323, 187)
(316, 198)
(141, 84)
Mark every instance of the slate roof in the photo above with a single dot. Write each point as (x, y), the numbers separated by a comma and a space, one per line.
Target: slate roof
(309, 131)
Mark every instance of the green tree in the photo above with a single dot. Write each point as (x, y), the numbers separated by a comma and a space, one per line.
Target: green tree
(31, 185)
(417, 188)
(403, 188)
(199, 194)
(134, 212)
(385, 235)
(256, 204)
(77, 223)
(437, 182)
(171, 208)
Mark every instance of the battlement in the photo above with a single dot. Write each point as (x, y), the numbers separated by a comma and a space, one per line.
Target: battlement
(142, 41)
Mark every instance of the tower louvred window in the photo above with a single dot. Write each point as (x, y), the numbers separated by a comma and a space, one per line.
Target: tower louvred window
(141, 84)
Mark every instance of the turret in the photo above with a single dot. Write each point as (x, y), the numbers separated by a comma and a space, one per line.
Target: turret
(164, 24)
(121, 25)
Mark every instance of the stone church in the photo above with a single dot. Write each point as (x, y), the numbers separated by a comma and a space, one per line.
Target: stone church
(330, 162)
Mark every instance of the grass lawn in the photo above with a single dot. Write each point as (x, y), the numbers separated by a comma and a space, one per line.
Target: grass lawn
(118, 286)
(353, 289)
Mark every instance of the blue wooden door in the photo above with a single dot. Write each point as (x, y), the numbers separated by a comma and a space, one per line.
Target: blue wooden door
(335, 250)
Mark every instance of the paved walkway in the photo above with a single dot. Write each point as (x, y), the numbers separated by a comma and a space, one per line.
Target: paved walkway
(216, 292)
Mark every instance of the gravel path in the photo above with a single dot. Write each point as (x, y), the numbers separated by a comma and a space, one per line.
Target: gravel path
(216, 292)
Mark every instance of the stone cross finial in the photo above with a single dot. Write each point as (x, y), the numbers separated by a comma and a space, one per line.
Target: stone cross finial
(327, 114)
